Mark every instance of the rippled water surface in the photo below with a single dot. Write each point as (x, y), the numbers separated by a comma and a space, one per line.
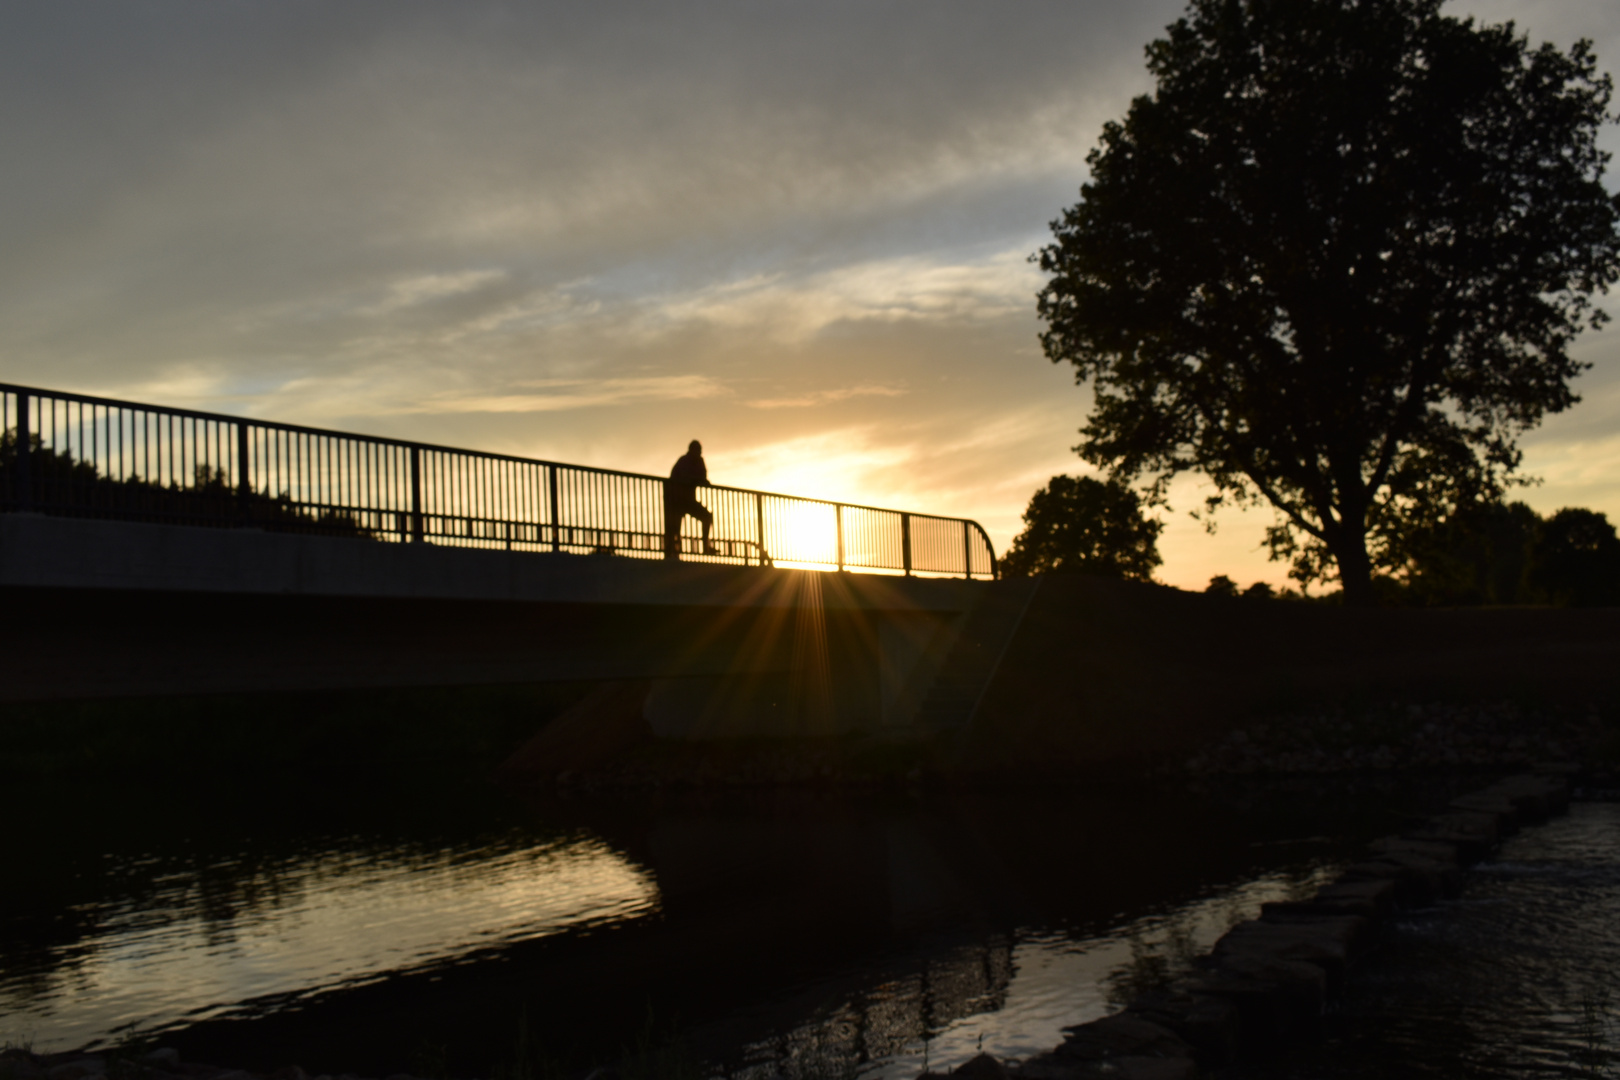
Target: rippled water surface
(792, 933)
(326, 920)
(1518, 978)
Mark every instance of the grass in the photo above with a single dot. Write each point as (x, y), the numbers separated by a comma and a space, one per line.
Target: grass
(9, 1048)
(658, 1050)
(450, 728)
(528, 1059)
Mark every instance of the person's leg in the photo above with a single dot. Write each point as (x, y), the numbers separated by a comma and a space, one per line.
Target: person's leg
(703, 514)
(673, 516)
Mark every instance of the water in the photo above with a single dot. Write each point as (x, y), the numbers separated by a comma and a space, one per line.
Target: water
(290, 929)
(1012, 998)
(1518, 978)
(784, 933)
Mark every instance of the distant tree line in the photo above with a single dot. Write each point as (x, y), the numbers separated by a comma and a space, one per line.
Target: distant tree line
(1506, 553)
(1492, 554)
(60, 483)
(1487, 553)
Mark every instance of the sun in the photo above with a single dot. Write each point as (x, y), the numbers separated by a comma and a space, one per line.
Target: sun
(801, 535)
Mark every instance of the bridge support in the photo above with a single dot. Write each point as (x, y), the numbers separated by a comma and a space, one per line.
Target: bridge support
(107, 609)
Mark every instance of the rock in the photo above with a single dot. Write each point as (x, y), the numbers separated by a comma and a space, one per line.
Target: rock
(1123, 1034)
(982, 1067)
(1379, 896)
(1495, 805)
(288, 1072)
(1208, 1024)
(164, 1057)
(1042, 1067)
(77, 1069)
(1414, 886)
(1283, 910)
(1430, 879)
(1347, 932)
(1472, 834)
(1372, 869)
(1549, 793)
(1325, 945)
(1429, 849)
(1135, 1068)
(1120, 1068)
(1529, 802)
(19, 1065)
(1277, 1000)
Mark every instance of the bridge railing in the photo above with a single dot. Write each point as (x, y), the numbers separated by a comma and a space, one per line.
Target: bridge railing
(72, 454)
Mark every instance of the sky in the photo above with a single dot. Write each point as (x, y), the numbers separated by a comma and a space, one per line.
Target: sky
(799, 232)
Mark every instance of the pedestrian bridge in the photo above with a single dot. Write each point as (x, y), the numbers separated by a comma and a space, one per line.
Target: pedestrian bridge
(77, 456)
(147, 550)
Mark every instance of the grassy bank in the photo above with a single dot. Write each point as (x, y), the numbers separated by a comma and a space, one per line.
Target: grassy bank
(443, 731)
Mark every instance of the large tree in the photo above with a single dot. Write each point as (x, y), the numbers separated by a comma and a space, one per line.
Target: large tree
(1334, 263)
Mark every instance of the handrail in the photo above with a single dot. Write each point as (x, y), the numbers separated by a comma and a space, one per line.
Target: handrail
(83, 455)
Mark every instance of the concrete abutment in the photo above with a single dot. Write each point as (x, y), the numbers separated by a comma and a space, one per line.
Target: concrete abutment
(113, 609)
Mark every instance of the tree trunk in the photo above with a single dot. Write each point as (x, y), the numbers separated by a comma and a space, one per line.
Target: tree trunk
(1355, 571)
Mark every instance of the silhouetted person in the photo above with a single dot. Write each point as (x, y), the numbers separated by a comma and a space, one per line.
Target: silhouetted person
(680, 499)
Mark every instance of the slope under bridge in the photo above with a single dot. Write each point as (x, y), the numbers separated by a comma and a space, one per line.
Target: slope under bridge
(152, 550)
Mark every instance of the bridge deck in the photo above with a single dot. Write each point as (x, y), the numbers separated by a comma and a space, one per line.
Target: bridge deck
(41, 551)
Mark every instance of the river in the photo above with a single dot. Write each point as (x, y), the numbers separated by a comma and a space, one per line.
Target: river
(1519, 977)
(464, 931)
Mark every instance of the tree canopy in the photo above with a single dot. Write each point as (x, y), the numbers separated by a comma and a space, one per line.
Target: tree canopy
(1480, 554)
(1577, 559)
(1334, 263)
(1506, 553)
(1085, 525)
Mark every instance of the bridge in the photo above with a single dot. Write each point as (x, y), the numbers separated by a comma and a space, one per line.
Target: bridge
(154, 550)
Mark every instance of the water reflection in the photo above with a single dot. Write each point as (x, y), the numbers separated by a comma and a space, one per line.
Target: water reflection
(1009, 998)
(189, 950)
(783, 933)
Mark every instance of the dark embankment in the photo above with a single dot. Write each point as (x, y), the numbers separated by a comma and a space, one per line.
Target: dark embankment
(446, 735)
(1102, 672)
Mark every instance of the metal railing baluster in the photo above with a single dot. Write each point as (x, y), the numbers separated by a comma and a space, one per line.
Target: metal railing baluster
(25, 454)
(416, 495)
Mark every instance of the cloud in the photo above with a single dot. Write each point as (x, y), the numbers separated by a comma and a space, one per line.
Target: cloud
(428, 288)
(575, 395)
(824, 397)
(590, 233)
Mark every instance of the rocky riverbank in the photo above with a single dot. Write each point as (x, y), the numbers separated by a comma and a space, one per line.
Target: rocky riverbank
(1395, 736)
(1390, 738)
(1270, 980)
